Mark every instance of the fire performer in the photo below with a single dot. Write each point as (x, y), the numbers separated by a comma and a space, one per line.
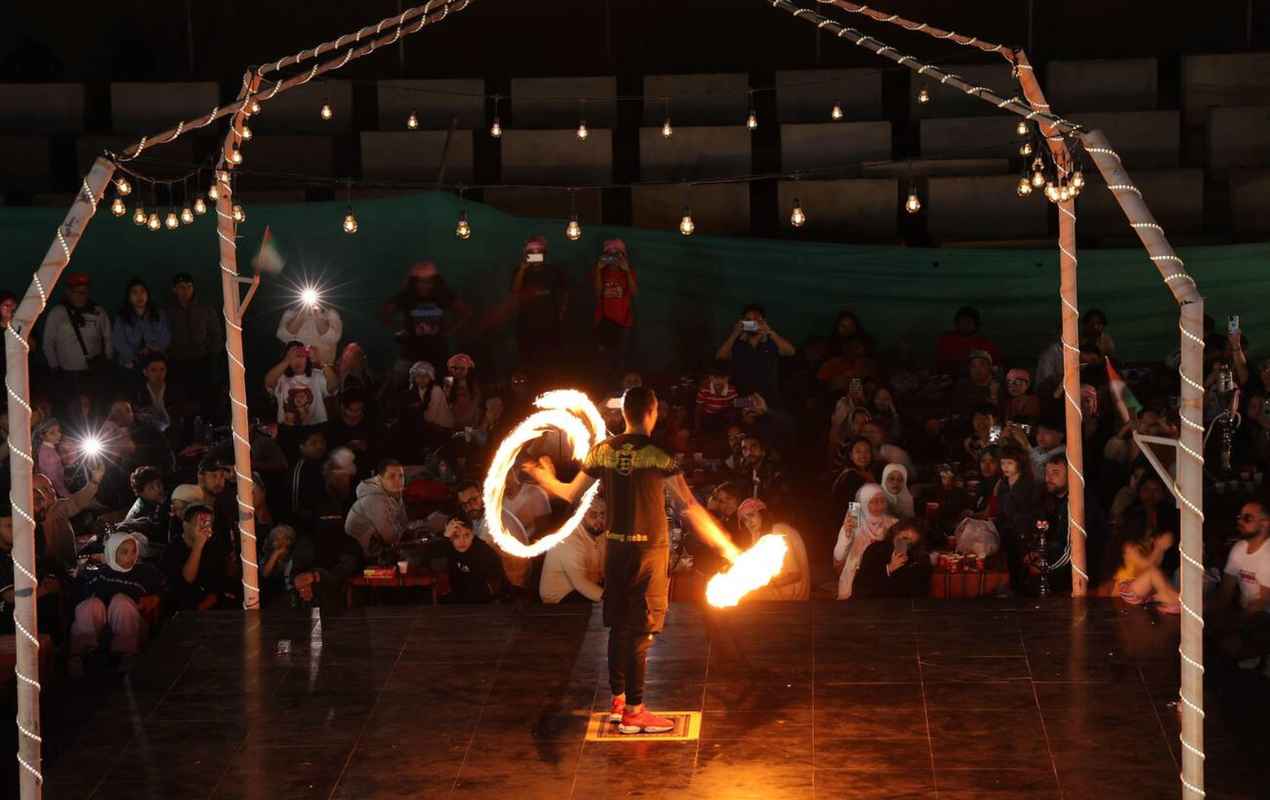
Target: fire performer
(637, 547)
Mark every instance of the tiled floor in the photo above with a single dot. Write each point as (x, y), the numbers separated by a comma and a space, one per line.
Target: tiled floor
(886, 700)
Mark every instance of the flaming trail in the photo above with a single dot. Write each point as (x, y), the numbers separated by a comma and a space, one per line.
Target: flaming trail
(753, 569)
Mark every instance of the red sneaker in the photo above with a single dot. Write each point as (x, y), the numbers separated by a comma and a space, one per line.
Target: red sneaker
(617, 709)
(638, 719)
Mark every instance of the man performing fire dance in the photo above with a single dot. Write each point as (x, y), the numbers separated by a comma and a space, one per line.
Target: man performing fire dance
(635, 472)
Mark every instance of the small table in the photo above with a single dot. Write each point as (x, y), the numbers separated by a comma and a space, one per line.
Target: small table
(436, 583)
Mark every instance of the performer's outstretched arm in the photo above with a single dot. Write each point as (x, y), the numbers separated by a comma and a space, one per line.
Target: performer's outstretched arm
(543, 471)
(701, 520)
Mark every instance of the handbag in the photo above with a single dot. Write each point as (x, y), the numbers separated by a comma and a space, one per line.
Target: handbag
(96, 363)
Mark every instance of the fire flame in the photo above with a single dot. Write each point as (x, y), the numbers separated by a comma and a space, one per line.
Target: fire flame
(753, 569)
(570, 411)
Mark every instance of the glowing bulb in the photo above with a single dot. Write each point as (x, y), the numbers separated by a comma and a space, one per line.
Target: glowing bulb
(172, 221)
(496, 130)
(1038, 179)
(1064, 194)
(254, 108)
(139, 216)
(1051, 192)
(923, 96)
(246, 134)
(836, 113)
(582, 131)
(213, 192)
(91, 446)
(187, 215)
(1078, 180)
(464, 229)
(666, 130)
(797, 217)
(152, 222)
(686, 226)
(239, 214)
(1021, 128)
(326, 112)
(350, 222)
(1025, 149)
(1024, 188)
(200, 206)
(914, 203)
(573, 231)
(309, 296)
(235, 157)
(118, 208)
(412, 121)
(751, 121)
(123, 187)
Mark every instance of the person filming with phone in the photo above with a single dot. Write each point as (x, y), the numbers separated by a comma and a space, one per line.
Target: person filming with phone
(541, 295)
(615, 292)
(754, 350)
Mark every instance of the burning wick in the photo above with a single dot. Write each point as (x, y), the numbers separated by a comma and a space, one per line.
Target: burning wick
(753, 569)
(309, 297)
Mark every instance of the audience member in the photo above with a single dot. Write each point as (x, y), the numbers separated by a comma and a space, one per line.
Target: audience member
(754, 351)
(77, 340)
(300, 383)
(463, 391)
(615, 291)
(899, 501)
(318, 326)
(476, 576)
(716, 400)
(47, 437)
(540, 292)
(196, 341)
(1021, 404)
(895, 566)
(200, 565)
(1136, 558)
(574, 569)
(793, 582)
(118, 595)
(958, 347)
(1240, 618)
(863, 524)
(425, 311)
(141, 328)
(378, 519)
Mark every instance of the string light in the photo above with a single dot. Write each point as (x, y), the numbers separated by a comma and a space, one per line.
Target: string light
(139, 216)
(171, 221)
(152, 222)
(797, 217)
(246, 134)
(350, 221)
(235, 156)
(1051, 192)
(496, 130)
(751, 121)
(914, 203)
(412, 121)
(118, 208)
(187, 216)
(1025, 149)
(1078, 180)
(573, 231)
(582, 131)
(666, 130)
(240, 216)
(836, 113)
(1038, 173)
(686, 225)
(200, 206)
(923, 95)
(327, 113)
(1021, 128)
(213, 192)
(464, 229)
(254, 108)
(123, 187)
(1024, 188)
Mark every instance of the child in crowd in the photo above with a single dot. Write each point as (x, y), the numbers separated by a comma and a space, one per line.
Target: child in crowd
(121, 596)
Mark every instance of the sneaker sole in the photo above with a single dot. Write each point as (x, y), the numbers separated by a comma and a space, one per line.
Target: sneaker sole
(633, 729)
(615, 718)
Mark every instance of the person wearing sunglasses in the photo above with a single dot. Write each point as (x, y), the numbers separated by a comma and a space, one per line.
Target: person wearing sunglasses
(1243, 630)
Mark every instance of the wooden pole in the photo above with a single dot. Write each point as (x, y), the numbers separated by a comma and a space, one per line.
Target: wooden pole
(226, 230)
(1188, 487)
(1069, 307)
(22, 466)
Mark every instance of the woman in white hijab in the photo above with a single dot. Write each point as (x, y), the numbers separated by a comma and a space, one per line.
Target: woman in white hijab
(860, 528)
(895, 485)
(118, 594)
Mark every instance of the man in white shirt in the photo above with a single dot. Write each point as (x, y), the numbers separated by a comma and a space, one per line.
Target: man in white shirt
(574, 569)
(1245, 633)
(317, 326)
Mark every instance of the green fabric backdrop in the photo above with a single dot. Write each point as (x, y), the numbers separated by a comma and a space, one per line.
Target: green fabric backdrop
(691, 288)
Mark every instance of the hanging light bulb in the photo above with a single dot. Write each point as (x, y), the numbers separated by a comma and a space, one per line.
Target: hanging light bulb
(235, 156)
(172, 221)
(350, 221)
(582, 131)
(797, 217)
(139, 216)
(327, 113)
(1024, 188)
(240, 216)
(1064, 194)
(213, 192)
(118, 208)
(666, 130)
(187, 215)
(254, 108)
(573, 231)
(751, 121)
(496, 130)
(686, 225)
(464, 229)
(246, 134)
(914, 203)
(152, 222)
(923, 95)
(836, 113)
(1078, 180)
(1025, 149)
(200, 206)
(1021, 128)
(1051, 193)
(1038, 173)
(412, 121)
(123, 187)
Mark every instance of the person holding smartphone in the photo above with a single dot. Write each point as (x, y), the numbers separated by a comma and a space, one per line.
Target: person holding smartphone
(897, 566)
(615, 292)
(754, 350)
(541, 297)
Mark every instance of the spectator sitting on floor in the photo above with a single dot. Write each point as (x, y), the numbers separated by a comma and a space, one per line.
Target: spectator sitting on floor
(118, 596)
(147, 515)
(59, 534)
(899, 500)
(574, 569)
(471, 503)
(1239, 620)
(1136, 556)
(860, 528)
(897, 566)
(1016, 510)
(982, 423)
(352, 427)
(761, 475)
(197, 565)
(48, 590)
(793, 582)
(463, 391)
(279, 545)
(1050, 435)
(305, 483)
(377, 521)
(980, 387)
(476, 574)
(426, 421)
(46, 437)
(1053, 509)
(860, 470)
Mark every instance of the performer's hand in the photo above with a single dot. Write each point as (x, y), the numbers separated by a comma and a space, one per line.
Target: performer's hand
(541, 469)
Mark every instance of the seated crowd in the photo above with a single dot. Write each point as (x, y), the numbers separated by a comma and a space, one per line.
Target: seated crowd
(875, 467)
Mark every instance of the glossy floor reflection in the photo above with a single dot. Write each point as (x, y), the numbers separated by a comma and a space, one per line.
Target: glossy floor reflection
(875, 700)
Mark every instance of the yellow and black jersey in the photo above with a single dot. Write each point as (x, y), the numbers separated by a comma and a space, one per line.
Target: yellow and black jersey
(631, 468)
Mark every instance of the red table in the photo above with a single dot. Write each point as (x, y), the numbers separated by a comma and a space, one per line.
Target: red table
(437, 583)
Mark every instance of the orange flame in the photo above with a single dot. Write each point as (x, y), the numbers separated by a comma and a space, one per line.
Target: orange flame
(753, 569)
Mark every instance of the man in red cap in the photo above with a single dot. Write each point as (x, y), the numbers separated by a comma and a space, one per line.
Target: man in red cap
(541, 294)
(77, 341)
(615, 290)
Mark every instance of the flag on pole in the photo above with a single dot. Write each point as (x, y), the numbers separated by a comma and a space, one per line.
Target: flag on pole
(268, 259)
(1126, 403)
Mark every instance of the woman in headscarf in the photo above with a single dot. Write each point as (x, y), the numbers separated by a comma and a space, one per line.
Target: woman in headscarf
(861, 468)
(118, 595)
(48, 461)
(426, 420)
(861, 527)
(462, 391)
(793, 582)
(899, 501)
